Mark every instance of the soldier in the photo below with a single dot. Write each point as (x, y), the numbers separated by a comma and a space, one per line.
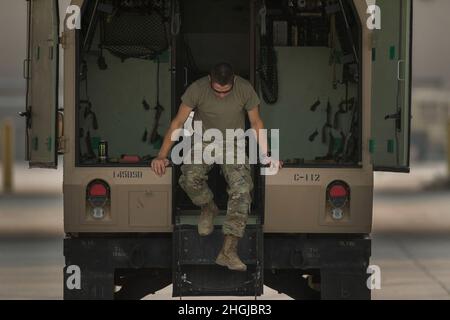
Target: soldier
(220, 101)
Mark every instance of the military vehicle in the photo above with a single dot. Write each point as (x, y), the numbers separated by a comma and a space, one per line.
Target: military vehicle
(333, 76)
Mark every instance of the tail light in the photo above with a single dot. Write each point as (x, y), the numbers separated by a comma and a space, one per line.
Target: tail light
(338, 196)
(98, 195)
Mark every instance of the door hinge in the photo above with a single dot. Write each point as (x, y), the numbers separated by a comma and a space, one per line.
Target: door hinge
(62, 144)
(63, 40)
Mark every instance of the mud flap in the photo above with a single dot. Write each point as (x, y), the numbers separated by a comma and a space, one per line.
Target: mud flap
(95, 265)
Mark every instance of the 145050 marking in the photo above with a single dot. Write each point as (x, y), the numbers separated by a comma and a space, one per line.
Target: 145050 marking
(127, 174)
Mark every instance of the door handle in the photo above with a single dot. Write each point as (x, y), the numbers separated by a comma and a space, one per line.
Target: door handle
(26, 69)
(24, 113)
(399, 63)
(394, 116)
(398, 119)
(27, 115)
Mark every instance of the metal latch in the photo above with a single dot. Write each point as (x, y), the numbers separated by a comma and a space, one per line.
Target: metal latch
(398, 119)
(27, 115)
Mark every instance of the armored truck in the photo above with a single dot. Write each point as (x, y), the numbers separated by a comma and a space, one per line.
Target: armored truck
(334, 77)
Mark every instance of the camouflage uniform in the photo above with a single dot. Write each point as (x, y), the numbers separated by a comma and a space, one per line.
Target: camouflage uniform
(238, 177)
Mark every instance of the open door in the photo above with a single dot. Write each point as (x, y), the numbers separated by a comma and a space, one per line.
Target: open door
(391, 87)
(41, 72)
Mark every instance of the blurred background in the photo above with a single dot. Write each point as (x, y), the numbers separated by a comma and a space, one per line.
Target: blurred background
(411, 212)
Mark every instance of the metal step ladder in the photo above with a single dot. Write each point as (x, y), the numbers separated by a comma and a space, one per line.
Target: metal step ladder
(195, 272)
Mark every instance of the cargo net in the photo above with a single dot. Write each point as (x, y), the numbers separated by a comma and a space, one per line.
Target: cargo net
(134, 33)
(269, 74)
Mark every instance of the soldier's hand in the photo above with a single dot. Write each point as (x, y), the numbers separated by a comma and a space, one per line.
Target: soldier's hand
(159, 165)
(272, 163)
(276, 164)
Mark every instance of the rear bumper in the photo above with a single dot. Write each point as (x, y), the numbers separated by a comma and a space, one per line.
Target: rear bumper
(187, 261)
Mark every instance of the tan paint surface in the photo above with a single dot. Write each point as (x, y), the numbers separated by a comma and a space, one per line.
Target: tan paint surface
(292, 204)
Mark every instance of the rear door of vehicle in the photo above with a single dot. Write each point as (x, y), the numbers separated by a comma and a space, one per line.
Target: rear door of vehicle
(391, 87)
(41, 72)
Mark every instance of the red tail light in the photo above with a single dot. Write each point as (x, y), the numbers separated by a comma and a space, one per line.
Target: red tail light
(98, 190)
(97, 193)
(338, 194)
(338, 191)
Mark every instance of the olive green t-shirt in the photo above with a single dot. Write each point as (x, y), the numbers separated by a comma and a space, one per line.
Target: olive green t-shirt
(221, 113)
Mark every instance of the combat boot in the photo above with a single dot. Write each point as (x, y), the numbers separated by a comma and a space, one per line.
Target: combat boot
(228, 256)
(206, 220)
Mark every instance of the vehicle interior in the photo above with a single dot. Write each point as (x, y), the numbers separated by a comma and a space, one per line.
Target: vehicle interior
(137, 57)
(309, 70)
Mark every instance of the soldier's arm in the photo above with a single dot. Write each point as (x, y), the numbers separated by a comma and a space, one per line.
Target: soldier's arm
(160, 162)
(257, 124)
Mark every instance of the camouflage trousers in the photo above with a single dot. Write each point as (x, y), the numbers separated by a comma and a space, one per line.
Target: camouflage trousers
(194, 182)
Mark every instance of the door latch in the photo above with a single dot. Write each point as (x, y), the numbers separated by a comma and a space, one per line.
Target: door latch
(27, 115)
(398, 119)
